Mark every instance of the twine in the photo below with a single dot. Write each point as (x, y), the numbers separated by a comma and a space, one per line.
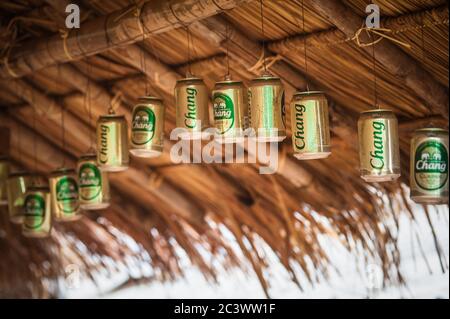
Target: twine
(155, 180)
(137, 8)
(64, 35)
(115, 102)
(381, 32)
(265, 62)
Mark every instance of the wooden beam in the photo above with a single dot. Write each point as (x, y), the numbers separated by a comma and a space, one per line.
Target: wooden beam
(393, 59)
(120, 28)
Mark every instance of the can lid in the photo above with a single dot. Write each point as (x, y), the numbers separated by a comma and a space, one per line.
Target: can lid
(150, 98)
(432, 129)
(38, 188)
(266, 77)
(308, 93)
(110, 116)
(88, 156)
(191, 78)
(19, 173)
(377, 111)
(63, 170)
(229, 82)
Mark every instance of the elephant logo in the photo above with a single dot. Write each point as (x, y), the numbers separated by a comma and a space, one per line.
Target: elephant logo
(437, 157)
(425, 156)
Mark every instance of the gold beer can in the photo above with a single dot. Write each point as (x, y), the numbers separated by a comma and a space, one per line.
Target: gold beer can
(229, 110)
(266, 108)
(429, 166)
(310, 125)
(147, 130)
(191, 100)
(37, 221)
(64, 195)
(112, 143)
(4, 173)
(16, 187)
(93, 184)
(379, 151)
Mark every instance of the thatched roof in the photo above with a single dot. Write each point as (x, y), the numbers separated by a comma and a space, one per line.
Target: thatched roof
(162, 207)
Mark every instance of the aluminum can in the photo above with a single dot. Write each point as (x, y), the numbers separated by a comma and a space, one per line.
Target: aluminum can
(16, 187)
(65, 201)
(112, 143)
(4, 173)
(93, 184)
(37, 222)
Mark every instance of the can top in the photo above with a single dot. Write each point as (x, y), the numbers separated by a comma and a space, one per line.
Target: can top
(189, 79)
(149, 98)
(266, 77)
(88, 157)
(377, 111)
(229, 81)
(63, 171)
(308, 93)
(111, 116)
(19, 173)
(432, 129)
(38, 188)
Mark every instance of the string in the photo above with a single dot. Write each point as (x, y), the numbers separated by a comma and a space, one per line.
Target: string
(422, 40)
(375, 98)
(63, 129)
(87, 101)
(304, 46)
(34, 135)
(264, 38)
(188, 52)
(228, 49)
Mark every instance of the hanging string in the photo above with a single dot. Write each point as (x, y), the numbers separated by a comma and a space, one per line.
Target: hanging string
(227, 36)
(34, 135)
(422, 43)
(264, 38)
(305, 46)
(63, 129)
(87, 102)
(375, 97)
(188, 34)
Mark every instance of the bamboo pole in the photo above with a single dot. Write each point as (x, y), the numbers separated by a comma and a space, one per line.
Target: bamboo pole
(120, 28)
(394, 60)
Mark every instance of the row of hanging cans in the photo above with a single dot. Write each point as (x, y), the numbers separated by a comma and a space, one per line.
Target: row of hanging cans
(238, 112)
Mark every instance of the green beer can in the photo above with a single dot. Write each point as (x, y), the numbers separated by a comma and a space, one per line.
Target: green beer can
(267, 109)
(37, 222)
(147, 129)
(379, 152)
(4, 173)
(64, 195)
(429, 166)
(16, 187)
(112, 143)
(93, 184)
(230, 111)
(310, 125)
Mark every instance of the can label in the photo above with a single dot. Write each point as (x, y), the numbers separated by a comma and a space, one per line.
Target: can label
(190, 116)
(143, 129)
(90, 181)
(223, 112)
(431, 165)
(378, 146)
(67, 194)
(112, 143)
(34, 211)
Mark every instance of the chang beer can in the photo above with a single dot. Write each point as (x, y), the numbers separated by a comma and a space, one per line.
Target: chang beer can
(112, 143)
(37, 222)
(230, 111)
(429, 166)
(93, 184)
(16, 187)
(64, 195)
(4, 173)
(191, 101)
(147, 129)
(310, 125)
(379, 151)
(266, 108)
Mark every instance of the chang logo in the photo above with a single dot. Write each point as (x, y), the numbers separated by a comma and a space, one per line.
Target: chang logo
(143, 126)
(299, 133)
(34, 211)
(223, 112)
(190, 117)
(431, 165)
(377, 155)
(104, 131)
(67, 194)
(90, 181)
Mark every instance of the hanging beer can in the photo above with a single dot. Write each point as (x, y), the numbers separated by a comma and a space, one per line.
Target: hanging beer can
(429, 166)
(4, 173)
(230, 111)
(147, 130)
(310, 125)
(16, 187)
(37, 221)
(266, 109)
(378, 146)
(112, 143)
(191, 100)
(64, 195)
(93, 185)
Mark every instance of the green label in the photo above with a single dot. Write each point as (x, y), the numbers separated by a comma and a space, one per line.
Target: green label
(431, 165)
(34, 211)
(223, 112)
(143, 129)
(67, 194)
(90, 181)
(379, 138)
